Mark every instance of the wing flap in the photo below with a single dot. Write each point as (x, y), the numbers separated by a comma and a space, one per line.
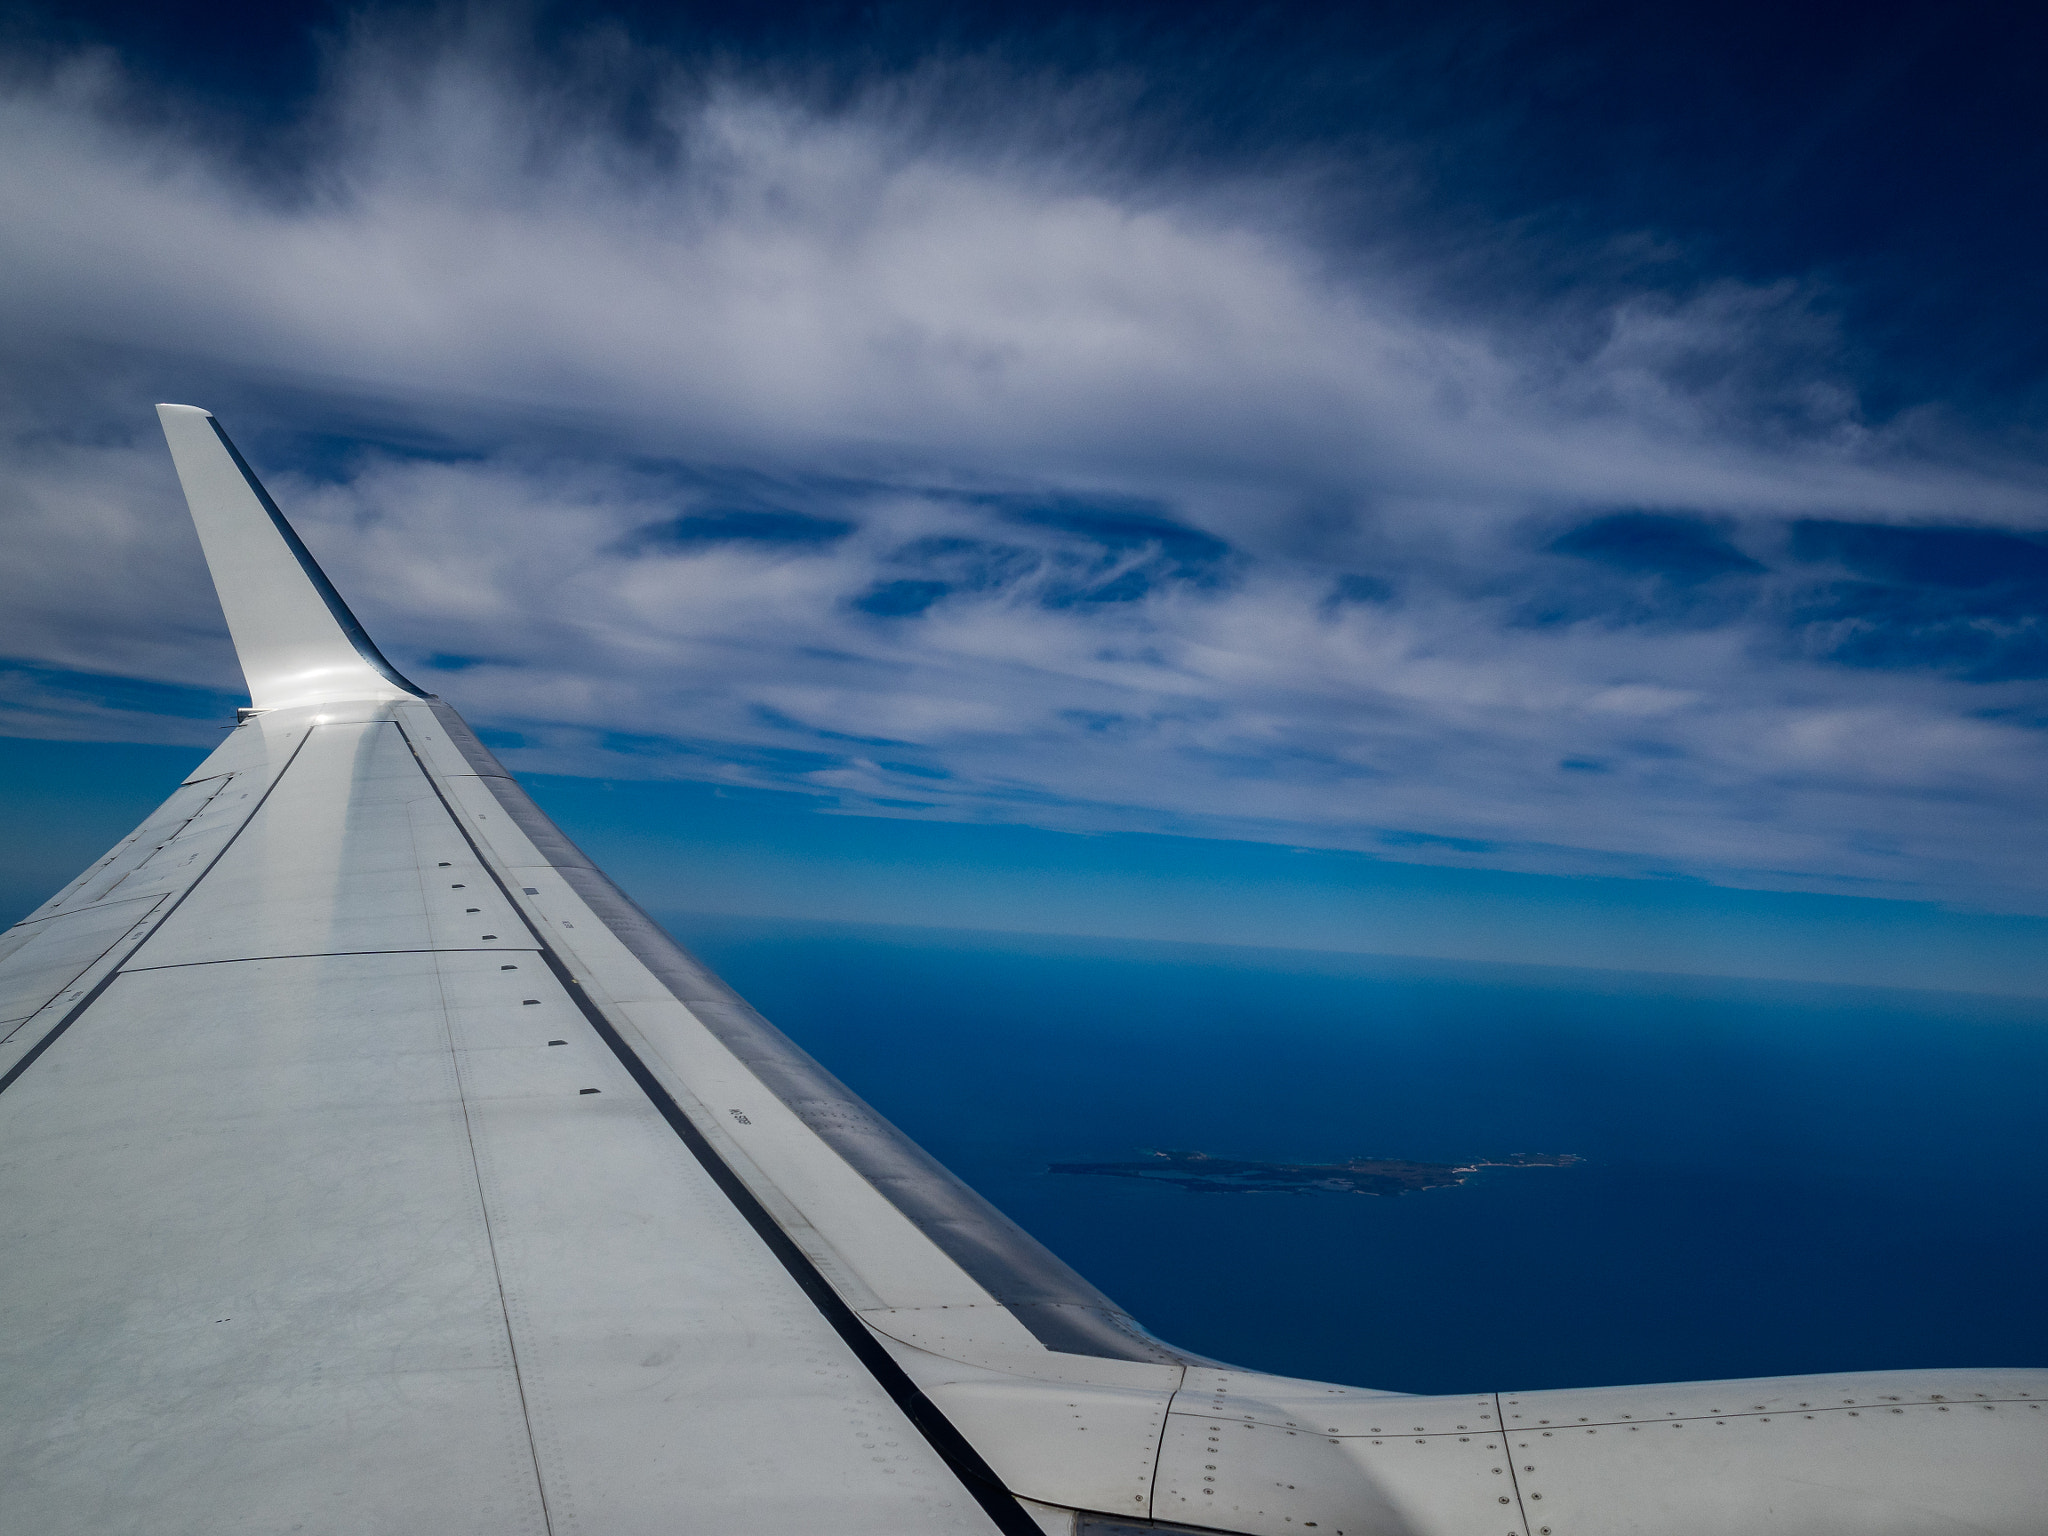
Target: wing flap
(39, 960)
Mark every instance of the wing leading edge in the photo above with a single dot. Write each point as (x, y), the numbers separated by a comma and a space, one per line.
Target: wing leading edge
(371, 1161)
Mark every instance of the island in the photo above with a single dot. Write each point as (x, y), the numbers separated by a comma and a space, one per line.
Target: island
(1203, 1174)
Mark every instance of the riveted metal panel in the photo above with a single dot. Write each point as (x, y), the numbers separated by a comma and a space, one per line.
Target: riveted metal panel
(1062, 1310)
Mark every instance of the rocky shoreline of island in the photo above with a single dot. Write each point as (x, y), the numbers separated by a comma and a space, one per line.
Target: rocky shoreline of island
(1200, 1173)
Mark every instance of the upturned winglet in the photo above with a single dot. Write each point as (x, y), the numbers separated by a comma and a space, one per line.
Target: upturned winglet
(296, 639)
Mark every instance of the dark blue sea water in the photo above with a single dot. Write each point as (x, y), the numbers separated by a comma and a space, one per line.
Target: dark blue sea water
(1779, 1178)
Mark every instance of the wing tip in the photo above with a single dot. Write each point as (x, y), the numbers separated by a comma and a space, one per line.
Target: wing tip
(166, 411)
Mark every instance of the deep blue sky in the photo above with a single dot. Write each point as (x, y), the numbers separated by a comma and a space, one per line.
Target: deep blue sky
(1457, 479)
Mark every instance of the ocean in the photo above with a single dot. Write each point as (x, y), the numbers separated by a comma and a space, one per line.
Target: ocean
(1778, 1178)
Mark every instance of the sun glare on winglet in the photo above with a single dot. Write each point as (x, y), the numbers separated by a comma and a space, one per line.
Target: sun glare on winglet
(297, 640)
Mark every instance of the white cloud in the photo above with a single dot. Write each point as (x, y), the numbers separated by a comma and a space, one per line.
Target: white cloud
(944, 341)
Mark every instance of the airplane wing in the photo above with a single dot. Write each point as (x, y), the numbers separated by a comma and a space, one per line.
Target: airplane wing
(370, 1162)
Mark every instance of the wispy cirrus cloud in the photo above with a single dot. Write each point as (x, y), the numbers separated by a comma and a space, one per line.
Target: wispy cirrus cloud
(966, 463)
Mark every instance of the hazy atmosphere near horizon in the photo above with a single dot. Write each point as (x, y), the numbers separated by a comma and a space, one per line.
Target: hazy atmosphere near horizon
(1435, 580)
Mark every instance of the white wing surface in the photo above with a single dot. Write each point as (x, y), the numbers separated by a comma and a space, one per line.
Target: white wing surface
(369, 1162)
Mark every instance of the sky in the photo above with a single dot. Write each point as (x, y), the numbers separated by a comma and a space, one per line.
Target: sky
(1550, 482)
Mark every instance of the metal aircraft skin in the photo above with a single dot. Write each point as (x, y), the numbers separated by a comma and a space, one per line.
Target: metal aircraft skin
(370, 1163)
